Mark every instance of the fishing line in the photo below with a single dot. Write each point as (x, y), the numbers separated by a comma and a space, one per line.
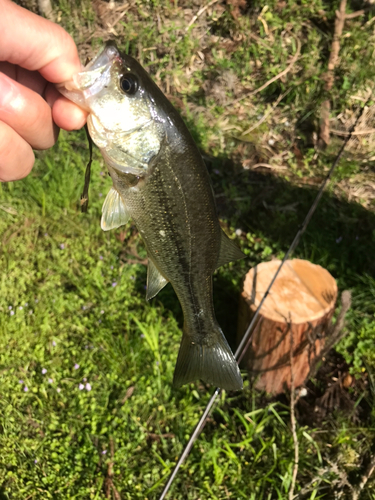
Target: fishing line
(85, 192)
(241, 349)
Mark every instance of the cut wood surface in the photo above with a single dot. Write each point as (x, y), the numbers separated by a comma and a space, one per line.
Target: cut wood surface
(302, 299)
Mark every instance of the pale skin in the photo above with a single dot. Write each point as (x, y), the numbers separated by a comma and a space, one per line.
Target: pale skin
(34, 55)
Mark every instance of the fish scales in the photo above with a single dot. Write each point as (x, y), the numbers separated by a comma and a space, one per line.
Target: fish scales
(179, 222)
(161, 182)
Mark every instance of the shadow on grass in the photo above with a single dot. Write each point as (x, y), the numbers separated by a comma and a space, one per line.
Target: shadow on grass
(340, 233)
(340, 236)
(3, 495)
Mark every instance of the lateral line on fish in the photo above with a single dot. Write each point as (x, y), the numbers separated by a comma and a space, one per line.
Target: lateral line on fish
(190, 249)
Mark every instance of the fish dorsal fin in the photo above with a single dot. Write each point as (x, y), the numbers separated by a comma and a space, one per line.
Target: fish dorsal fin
(228, 251)
(155, 281)
(114, 211)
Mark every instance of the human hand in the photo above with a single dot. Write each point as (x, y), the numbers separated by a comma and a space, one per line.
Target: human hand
(34, 54)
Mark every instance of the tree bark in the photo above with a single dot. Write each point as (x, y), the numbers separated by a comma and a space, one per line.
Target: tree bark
(297, 311)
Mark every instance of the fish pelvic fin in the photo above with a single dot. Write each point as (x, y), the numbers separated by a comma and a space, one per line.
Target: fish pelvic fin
(155, 280)
(213, 363)
(229, 251)
(114, 211)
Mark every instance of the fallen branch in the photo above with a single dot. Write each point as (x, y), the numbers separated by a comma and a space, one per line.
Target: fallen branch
(341, 16)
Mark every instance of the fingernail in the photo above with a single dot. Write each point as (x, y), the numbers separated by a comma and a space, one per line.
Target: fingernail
(11, 99)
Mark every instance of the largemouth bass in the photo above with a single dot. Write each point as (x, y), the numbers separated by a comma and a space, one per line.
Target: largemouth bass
(161, 182)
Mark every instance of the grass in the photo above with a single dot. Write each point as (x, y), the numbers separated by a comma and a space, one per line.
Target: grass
(65, 325)
(87, 409)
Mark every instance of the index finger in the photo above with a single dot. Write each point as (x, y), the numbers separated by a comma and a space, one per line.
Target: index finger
(36, 44)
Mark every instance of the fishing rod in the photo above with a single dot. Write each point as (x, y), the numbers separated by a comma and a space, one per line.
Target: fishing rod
(242, 348)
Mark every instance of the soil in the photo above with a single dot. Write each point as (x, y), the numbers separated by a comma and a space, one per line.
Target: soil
(334, 391)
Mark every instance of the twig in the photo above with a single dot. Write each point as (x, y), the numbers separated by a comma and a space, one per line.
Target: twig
(159, 437)
(199, 13)
(267, 165)
(9, 210)
(336, 332)
(282, 73)
(329, 76)
(259, 40)
(277, 77)
(341, 474)
(110, 487)
(128, 394)
(355, 14)
(110, 26)
(364, 479)
(360, 132)
(307, 488)
(293, 418)
(266, 115)
(335, 49)
(265, 26)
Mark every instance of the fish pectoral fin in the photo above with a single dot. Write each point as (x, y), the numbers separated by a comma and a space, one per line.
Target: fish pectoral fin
(155, 281)
(213, 363)
(114, 211)
(228, 251)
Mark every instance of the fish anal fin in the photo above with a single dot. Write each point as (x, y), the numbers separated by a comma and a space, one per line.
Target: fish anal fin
(228, 251)
(155, 281)
(114, 211)
(213, 363)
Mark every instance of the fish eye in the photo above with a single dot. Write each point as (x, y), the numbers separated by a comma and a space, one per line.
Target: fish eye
(129, 83)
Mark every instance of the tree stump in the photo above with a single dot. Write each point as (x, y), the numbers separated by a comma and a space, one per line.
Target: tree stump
(298, 308)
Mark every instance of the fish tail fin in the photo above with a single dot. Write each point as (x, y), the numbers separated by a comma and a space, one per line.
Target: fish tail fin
(211, 362)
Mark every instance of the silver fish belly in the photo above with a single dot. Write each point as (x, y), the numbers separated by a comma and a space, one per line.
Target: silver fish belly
(161, 182)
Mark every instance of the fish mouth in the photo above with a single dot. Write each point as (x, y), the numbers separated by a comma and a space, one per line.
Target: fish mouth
(93, 78)
(108, 54)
